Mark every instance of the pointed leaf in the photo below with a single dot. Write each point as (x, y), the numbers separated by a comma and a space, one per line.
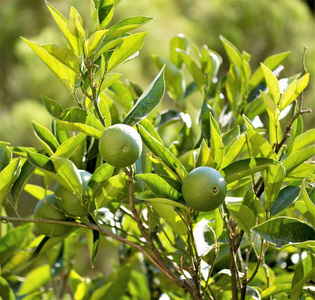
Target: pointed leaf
(67, 148)
(159, 186)
(5, 290)
(293, 91)
(284, 230)
(150, 98)
(129, 46)
(93, 42)
(232, 52)
(233, 150)
(5, 157)
(105, 12)
(7, 177)
(205, 237)
(66, 75)
(109, 79)
(285, 198)
(205, 157)
(302, 141)
(245, 167)
(159, 150)
(217, 147)
(308, 202)
(272, 83)
(37, 191)
(178, 42)
(76, 31)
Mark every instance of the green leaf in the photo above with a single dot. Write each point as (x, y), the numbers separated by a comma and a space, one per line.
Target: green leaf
(295, 159)
(37, 191)
(5, 157)
(178, 42)
(150, 98)
(76, 31)
(205, 237)
(302, 141)
(149, 196)
(159, 186)
(272, 83)
(217, 147)
(193, 69)
(272, 62)
(243, 215)
(93, 239)
(273, 178)
(67, 148)
(65, 74)
(53, 107)
(109, 79)
(46, 138)
(125, 26)
(171, 217)
(173, 77)
(260, 146)
(163, 153)
(35, 279)
(100, 177)
(115, 187)
(232, 52)
(149, 127)
(245, 167)
(305, 270)
(233, 87)
(293, 91)
(6, 292)
(285, 198)
(65, 56)
(122, 94)
(308, 202)
(105, 12)
(129, 46)
(93, 42)
(7, 177)
(27, 171)
(231, 135)
(205, 157)
(276, 289)
(67, 170)
(233, 150)
(283, 230)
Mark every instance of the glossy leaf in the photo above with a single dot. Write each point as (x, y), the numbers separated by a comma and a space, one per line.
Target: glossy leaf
(150, 98)
(275, 289)
(283, 230)
(233, 150)
(205, 237)
(27, 171)
(295, 159)
(178, 42)
(243, 215)
(232, 52)
(5, 157)
(272, 83)
(150, 197)
(302, 141)
(272, 62)
(46, 138)
(109, 79)
(259, 144)
(286, 197)
(149, 127)
(66, 75)
(100, 177)
(105, 12)
(217, 147)
(305, 270)
(173, 77)
(7, 177)
(35, 279)
(245, 167)
(230, 135)
(129, 46)
(93, 42)
(171, 217)
(163, 153)
(67, 148)
(76, 31)
(37, 191)
(93, 239)
(67, 170)
(273, 178)
(53, 107)
(233, 87)
(205, 157)
(293, 91)
(159, 186)
(308, 202)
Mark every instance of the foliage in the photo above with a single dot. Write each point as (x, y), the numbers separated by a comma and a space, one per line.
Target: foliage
(243, 249)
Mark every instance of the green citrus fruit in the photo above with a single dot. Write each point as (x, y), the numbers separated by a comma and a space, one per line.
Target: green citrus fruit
(120, 145)
(73, 204)
(204, 189)
(46, 209)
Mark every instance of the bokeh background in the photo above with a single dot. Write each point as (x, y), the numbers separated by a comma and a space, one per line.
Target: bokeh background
(260, 27)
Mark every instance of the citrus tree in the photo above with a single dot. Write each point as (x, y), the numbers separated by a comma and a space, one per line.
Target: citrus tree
(211, 197)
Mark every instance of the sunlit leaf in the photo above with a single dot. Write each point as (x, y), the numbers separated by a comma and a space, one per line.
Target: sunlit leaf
(243, 215)
(178, 42)
(308, 202)
(67, 148)
(105, 12)
(275, 289)
(283, 230)
(217, 147)
(5, 157)
(272, 83)
(5, 290)
(285, 198)
(205, 237)
(302, 141)
(150, 98)
(93, 42)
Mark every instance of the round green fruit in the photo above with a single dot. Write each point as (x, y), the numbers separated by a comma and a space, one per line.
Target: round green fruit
(204, 189)
(46, 209)
(120, 145)
(72, 204)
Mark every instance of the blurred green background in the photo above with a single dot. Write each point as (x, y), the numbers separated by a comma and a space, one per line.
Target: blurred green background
(260, 27)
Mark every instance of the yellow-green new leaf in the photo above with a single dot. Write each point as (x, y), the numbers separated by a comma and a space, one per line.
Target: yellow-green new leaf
(217, 147)
(93, 42)
(66, 75)
(272, 83)
(76, 31)
(293, 91)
